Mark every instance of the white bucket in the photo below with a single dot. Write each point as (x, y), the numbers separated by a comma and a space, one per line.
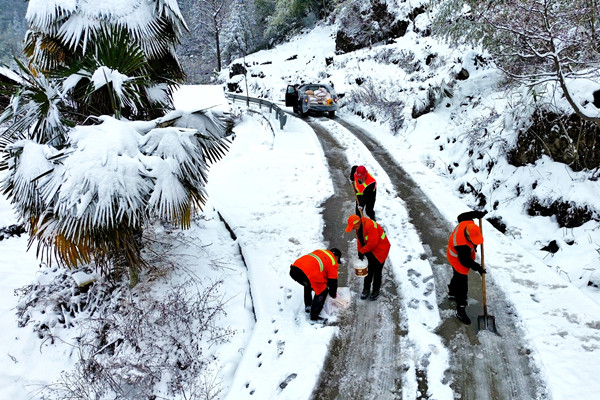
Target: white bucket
(360, 271)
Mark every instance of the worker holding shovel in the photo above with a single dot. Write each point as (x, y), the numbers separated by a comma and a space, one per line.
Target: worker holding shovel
(373, 244)
(365, 190)
(461, 254)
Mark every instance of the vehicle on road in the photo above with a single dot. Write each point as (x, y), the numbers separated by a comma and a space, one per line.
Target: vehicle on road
(312, 97)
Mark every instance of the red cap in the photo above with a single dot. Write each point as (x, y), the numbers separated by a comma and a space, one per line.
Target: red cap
(474, 234)
(352, 220)
(361, 172)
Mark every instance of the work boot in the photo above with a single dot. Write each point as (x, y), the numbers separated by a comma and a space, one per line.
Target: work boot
(364, 294)
(461, 314)
(318, 320)
(374, 295)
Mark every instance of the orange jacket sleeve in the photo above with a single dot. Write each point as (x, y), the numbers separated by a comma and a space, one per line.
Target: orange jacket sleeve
(371, 235)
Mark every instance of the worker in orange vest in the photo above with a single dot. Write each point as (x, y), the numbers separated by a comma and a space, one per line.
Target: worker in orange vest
(461, 254)
(373, 244)
(365, 188)
(318, 272)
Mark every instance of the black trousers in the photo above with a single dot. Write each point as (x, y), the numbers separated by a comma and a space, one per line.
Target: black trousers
(369, 207)
(374, 271)
(459, 288)
(317, 302)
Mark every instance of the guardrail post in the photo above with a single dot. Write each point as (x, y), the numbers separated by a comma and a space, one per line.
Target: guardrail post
(282, 120)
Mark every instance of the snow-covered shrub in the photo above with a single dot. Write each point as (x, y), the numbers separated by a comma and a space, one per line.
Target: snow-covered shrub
(368, 100)
(56, 301)
(567, 214)
(564, 138)
(12, 230)
(432, 97)
(132, 345)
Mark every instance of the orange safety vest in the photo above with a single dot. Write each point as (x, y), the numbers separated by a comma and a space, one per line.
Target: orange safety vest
(458, 238)
(376, 240)
(318, 266)
(360, 187)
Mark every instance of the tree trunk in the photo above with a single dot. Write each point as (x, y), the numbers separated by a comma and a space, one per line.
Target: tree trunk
(218, 44)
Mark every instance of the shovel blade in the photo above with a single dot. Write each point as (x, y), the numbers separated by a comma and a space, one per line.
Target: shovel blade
(487, 322)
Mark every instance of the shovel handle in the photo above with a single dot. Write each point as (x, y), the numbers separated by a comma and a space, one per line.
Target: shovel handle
(356, 197)
(483, 275)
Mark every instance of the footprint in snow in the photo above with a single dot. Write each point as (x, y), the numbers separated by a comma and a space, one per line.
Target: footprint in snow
(287, 380)
(413, 303)
(429, 289)
(252, 390)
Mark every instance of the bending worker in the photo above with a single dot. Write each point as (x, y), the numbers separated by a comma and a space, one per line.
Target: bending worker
(365, 188)
(461, 254)
(374, 244)
(318, 272)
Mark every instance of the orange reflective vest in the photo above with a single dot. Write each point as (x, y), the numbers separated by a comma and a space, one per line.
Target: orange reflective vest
(375, 239)
(318, 266)
(360, 187)
(458, 238)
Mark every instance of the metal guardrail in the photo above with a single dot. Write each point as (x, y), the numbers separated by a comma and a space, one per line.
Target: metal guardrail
(280, 114)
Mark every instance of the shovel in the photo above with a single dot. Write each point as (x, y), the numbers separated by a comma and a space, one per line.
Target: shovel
(485, 321)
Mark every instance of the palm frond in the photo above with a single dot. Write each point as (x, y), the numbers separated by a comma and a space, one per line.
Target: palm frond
(35, 112)
(86, 201)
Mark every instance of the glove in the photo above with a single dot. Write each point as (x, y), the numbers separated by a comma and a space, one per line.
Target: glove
(479, 269)
(480, 214)
(360, 208)
(361, 256)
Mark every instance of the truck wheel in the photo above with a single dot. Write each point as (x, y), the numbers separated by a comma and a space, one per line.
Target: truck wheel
(331, 114)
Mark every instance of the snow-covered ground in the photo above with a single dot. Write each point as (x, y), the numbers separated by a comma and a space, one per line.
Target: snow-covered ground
(260, 189)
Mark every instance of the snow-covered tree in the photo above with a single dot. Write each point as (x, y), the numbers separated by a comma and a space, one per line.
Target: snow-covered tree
(291, 15)
(61, 31)
(86, 200)
(243, 31)
(208, 19)
(82, 175)
(533, 41)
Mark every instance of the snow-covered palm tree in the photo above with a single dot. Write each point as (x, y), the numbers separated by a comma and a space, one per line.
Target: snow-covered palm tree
(62, 33)
(83, 176)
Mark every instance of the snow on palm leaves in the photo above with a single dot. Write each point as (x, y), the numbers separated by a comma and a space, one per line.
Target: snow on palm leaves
(86, 190)
(87, 200)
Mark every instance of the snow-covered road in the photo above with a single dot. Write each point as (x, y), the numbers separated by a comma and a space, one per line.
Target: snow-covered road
(399, 344)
